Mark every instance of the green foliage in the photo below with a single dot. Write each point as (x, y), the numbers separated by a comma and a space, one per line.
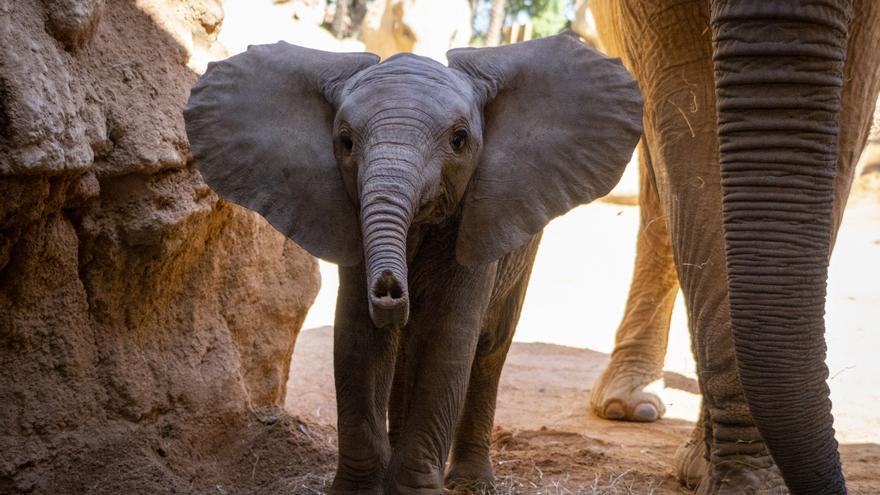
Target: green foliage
(547, 16)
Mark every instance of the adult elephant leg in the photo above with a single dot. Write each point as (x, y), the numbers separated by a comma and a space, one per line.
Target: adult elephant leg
(673, 63)
(363, 360)
(448, 302)
(469, 465)
(627, 388)
(858, 100)
(735, 457)
(779, 76)
(684, 135)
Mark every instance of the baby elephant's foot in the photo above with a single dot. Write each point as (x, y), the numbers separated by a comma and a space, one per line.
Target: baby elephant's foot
(742, 475)
(414, 478)
(366, 478)
(360, 472)
(474, 475)
(343, 488)
(627, 393)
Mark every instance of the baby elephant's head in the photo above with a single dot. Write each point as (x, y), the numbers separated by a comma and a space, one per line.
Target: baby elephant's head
(345, 155)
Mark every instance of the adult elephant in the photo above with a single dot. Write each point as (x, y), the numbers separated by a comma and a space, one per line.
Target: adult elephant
(755, 115)
(423, 27)
(871, 158)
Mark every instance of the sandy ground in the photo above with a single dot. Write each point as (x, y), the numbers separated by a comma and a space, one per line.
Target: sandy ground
(548, 441)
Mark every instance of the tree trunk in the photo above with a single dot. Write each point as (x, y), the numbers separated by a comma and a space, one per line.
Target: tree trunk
(341, 19)
(356, 16)
(496, 22)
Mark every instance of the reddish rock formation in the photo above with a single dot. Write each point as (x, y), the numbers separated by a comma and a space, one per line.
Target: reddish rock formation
(146, 326)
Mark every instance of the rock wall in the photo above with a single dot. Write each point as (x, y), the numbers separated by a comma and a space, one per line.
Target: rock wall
(146, 327)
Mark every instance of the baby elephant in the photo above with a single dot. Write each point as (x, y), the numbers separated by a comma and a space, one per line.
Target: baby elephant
(429, 186)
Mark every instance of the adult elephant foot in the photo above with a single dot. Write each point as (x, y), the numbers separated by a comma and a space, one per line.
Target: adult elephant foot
(736, 475)
(690, 459)
(628, 392)
(753, 474)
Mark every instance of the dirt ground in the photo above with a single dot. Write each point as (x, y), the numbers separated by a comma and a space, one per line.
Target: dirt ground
(548, 442)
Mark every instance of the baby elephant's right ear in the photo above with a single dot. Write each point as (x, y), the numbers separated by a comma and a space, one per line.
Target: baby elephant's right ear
(260, 128)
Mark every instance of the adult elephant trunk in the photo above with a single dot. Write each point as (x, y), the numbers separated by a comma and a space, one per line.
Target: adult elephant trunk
(779, 72)
(388, 195)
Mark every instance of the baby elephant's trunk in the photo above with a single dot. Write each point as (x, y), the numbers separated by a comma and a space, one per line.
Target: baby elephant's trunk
(389, 301)
(386, 211)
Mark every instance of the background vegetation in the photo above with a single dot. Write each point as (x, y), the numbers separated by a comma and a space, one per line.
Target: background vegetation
(548, 17)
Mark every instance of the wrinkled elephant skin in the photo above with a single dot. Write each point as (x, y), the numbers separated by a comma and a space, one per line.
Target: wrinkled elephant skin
(749, 188)
(429, 185)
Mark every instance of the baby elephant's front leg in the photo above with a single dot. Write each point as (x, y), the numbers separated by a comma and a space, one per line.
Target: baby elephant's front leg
(440, 343)
(363, 360)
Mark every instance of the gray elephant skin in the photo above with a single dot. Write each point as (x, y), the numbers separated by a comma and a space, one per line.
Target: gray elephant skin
(429, 186)
(755, 115)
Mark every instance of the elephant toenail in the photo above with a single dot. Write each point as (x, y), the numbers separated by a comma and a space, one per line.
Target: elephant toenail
(615, 410)
(645, 412)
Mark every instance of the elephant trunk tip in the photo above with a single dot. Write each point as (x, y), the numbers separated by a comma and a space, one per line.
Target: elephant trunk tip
(389, 301)
(387, 287)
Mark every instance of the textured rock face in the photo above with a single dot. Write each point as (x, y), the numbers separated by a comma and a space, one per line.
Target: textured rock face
(142, 319)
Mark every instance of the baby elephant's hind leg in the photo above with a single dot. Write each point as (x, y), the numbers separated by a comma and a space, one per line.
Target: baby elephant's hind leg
(470, 469)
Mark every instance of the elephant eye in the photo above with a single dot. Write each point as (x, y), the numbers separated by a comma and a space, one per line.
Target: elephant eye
(459, 140)
(347, 143)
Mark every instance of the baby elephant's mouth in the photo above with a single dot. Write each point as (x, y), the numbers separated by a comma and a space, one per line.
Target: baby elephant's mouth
(389, 301)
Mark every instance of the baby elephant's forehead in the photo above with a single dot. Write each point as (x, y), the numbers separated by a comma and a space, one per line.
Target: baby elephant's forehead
(406, 68)
(414, 79)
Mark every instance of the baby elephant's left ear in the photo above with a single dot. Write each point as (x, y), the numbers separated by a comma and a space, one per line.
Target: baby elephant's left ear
(561, 123)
